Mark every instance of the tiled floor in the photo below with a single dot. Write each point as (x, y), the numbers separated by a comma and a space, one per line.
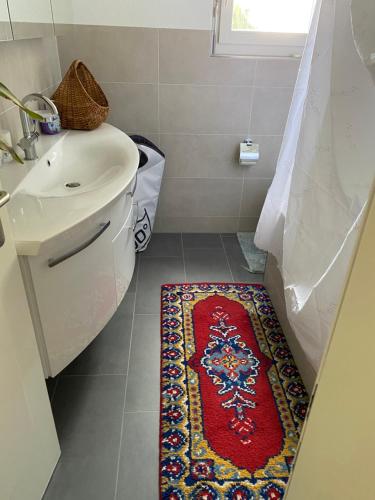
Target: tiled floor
(106, 403)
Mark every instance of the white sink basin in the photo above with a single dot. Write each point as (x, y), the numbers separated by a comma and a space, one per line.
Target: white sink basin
(78, 174)
(80, 162)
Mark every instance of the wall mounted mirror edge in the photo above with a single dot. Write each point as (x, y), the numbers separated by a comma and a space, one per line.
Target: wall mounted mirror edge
(31, 18)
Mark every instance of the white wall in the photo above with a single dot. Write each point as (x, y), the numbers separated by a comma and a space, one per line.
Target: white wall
(188, 14)
(62, 11)
(4, 14)
(38, 11)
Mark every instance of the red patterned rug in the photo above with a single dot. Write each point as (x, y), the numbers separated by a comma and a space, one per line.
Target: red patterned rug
(232, 400)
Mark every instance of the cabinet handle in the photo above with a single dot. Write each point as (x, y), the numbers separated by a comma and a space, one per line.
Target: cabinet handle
(135, 215)
(58, 260)
(131, 194)
(4, 198)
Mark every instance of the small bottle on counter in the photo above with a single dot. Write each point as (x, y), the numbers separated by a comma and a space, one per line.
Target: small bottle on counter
(51, 125)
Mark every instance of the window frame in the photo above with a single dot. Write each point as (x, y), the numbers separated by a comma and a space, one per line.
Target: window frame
(227, 42)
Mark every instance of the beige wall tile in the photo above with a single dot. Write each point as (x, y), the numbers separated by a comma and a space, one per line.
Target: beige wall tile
(204, 109)
(254, 194)
(185, 58)
(10, 120)
(113, 54)
(269, 147)
(200, 198)
(62, 29)
(247, 224)
(202, 156)
(5, 27)
(200, 112)
(154, 138)
(196, 225)
(276, 72)
(270, 110)
(28, 66)
(133, 106)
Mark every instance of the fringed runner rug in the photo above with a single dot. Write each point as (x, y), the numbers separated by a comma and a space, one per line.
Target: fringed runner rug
(232, 400)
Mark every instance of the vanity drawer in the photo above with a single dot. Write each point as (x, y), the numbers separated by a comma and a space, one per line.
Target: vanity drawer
(76, 297)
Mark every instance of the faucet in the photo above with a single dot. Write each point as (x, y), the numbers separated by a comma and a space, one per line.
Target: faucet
(30, 134)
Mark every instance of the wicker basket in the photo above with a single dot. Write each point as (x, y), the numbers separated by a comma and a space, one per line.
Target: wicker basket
(80, 100)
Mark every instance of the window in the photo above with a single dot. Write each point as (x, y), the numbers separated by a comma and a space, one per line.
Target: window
(261, 28)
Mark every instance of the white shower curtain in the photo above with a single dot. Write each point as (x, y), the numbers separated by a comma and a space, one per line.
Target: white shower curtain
(311, 218)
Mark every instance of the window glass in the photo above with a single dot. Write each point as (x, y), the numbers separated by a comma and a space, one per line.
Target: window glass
(272, 16)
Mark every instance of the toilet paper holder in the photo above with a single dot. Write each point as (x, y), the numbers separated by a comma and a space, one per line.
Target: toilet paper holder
(249, 152)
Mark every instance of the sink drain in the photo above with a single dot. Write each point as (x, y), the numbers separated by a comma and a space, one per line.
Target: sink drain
(72, 185)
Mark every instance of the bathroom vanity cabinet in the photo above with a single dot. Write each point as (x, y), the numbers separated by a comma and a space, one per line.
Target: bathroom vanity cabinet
(78, 280)
(72, 217)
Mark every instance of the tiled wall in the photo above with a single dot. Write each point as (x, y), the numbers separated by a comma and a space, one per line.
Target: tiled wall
(162, 83)
(26, 66)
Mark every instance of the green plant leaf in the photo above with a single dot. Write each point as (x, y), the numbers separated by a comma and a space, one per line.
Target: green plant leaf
(7, 94)
(5, 147)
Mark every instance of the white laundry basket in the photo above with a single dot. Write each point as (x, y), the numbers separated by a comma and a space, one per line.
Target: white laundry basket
(146, 196)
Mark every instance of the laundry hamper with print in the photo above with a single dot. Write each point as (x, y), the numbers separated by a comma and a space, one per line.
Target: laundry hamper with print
(146, 196)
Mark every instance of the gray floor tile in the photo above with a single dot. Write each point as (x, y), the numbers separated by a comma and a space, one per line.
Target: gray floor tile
(164, 245)
(139, 463)
(237, 261)
(82, 478)
(126, 307)
(207, 265)
(88, 416)
(133, 283)
(143, 388)
(109, 352)
(87, 411)
(198, 240)
(153, 272)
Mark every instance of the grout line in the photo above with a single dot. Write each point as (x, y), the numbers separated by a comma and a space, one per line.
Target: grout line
(13, 106)
(126, 387)
(192, 84)
(156, 313)
(239, 178)
(205, 248)
(145, 257)
(158, 89)
(234, 216)
(249, 135)
(183, 256)
(142, 411)
(226, 134)
(241, 196)
(163, 256)
(7, 109)
(252, 101)
(104, 82)
(72, 375)
(226, 256)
